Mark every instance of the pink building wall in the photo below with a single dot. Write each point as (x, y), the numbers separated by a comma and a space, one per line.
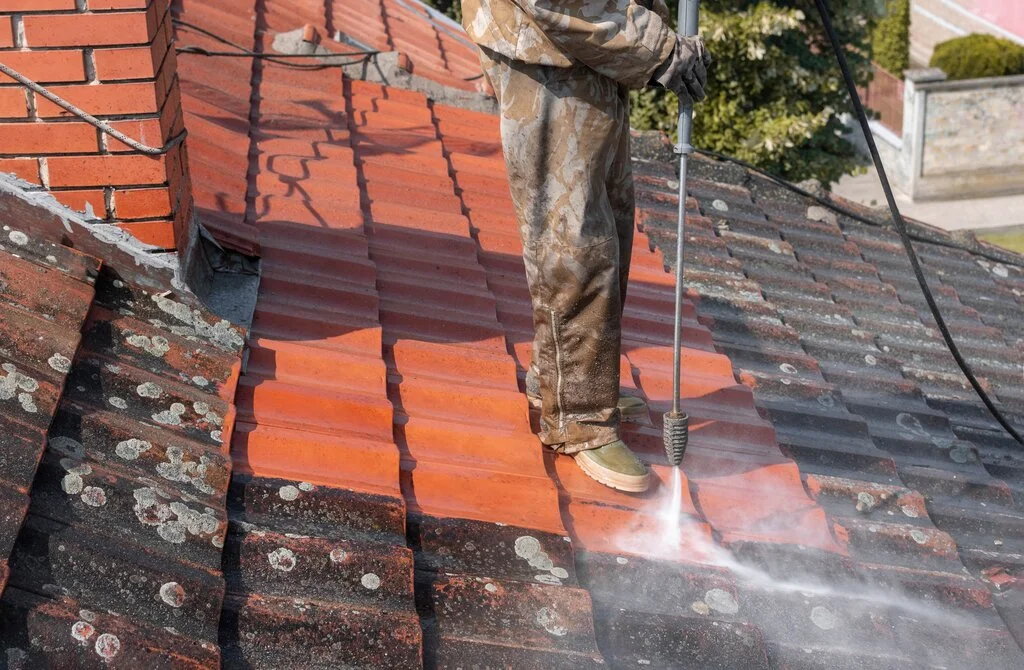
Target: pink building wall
(1007, 14)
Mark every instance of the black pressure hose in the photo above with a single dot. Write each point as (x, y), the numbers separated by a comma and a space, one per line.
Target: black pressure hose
(900, 224)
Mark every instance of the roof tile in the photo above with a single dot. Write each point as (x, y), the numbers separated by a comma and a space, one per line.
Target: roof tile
(389, 505)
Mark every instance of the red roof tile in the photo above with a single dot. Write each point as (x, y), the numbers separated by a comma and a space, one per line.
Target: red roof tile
(43, 309)
(125, 402)
(411, 196)
(843, 502)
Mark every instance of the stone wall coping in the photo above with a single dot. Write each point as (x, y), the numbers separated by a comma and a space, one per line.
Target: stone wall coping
(933, 86)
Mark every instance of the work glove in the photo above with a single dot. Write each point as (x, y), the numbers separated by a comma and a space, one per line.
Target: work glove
(658, 7)
(685, 72)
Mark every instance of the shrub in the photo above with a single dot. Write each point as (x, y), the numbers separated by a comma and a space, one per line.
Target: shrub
(978, 56)
(451, 8)
(890, 41)
(775, 95)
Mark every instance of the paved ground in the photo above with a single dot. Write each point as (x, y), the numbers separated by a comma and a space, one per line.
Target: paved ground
(948, 214)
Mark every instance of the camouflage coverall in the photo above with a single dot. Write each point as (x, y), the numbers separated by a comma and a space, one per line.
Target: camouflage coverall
(562, 70)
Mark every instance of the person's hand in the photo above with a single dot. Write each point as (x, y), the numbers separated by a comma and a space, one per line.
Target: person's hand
(661, 9)
(685, 72)
(658, 7)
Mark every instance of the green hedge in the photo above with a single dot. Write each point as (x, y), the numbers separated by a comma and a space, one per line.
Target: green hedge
(890, 42)
(978, 56)
(453, 8)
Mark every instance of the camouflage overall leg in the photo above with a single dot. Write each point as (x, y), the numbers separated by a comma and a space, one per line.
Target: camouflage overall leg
(565, 133)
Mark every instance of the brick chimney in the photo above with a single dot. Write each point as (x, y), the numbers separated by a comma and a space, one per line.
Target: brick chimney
(113, 59)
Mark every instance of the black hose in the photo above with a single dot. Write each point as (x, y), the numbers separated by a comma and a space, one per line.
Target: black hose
(279, 59)
(900, 224)
(274, 58)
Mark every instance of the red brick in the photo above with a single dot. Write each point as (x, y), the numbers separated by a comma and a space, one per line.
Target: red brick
(34, 137)
(152, 132)
(146, 131)
(135, 62)
(142, 203)
(46, 66)
(22, 168)
(70, 30)
(125, 63)
(80, 200)
(96, 5)
(35, 5)
(12, 103)
(158, 233)
(114, 170)
(183, 220)
(102, 99)
(6, 33)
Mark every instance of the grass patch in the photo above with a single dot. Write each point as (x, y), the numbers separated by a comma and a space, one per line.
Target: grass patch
(1008, 239)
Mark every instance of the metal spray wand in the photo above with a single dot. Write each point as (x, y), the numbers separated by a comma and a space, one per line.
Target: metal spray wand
(677, 423)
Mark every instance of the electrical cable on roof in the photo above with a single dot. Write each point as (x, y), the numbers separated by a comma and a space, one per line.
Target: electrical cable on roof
(92, 120)
(900, 224)
(199, 51)
(825, 202)
(276, 58)
(279, 59)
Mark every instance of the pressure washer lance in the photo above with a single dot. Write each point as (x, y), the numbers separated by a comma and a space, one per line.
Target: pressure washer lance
(677, 423)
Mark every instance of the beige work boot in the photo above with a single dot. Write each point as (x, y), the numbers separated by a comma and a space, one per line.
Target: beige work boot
(616, 466)
(631, 408)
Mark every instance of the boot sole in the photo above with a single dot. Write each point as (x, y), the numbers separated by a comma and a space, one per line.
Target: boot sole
(613, 479)
(636, 417)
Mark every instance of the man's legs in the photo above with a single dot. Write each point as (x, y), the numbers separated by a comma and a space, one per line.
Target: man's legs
(621, 196)
(565, 135)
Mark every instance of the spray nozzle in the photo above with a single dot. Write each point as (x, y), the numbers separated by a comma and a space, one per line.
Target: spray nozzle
(676, 436)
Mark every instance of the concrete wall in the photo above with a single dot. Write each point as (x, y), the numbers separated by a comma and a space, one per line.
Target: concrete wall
(965, 126)
(962, 139)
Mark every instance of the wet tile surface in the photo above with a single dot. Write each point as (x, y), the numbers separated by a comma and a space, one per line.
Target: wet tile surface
(836, 343)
